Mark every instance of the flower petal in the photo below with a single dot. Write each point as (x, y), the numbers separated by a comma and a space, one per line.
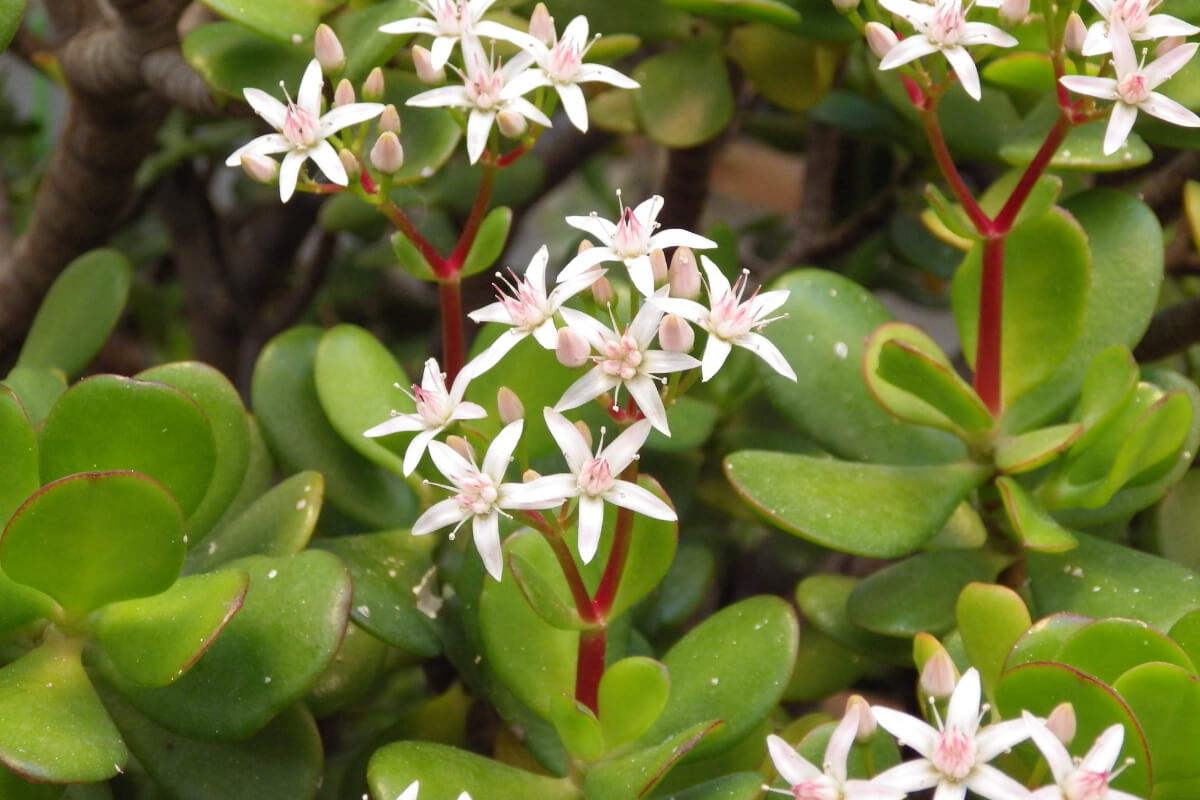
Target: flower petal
(416, 449)
(840, 741)
(495, 351)
(908, 730)
(622, 450)
(765, 349)
(546, 334)
(999, 737)
(963, 710)
(500, 451)
(450, 463)
(1123, 57)
(585, 260)
(267, 107)
(1161, 69)
(432, 379)
(1103, 755)
(984, 33)
(574, 447)
(915, 13)
(909, 49)
(688, 309)
(641, 274)
(576, 33)
(645, 393)
(327, 159)
(479, 127)
(455, 96)
(964, 68)
(412, 25)
(950, 791)
(595, 383)
(591, 73)
(529, 111)
(573, 104)
(492, 312)
(678, 237)
(486, 529)
(718, 284)
(1120, 123)
(1096, 42)
(440, 50)
(524, 83)
(309, 95)
(544, 492)
(411, 792)
(438, 516)
(466, 410)
(1104, 88)
(494, 30)
(1160, 26)
(266, 145)
(591, 329)
(629, 495)
(289, 173)
(870, 790)
(535, 271)
(715, 353)
(591, 524)
(657, 362)
(1056, 755)
(792, 767)
(987, 781)
(911, 776)
(648, 210)
(351, 114)
(401, 423)
(595, 225)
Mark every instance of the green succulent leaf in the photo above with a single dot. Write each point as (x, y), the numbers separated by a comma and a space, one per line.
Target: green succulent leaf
(281, 20)
(489, 243)
(153, 641)
(38, 389)
(1028, 451)
(774, 12)
(430, 136)
(1083, 148)
(991, 618)
(636, 774)
(578, 728)
(1045, 639)
(364, 44)
(95, 538)
(1107, 648)
(19, 469)
(543, 596)
(389, 570)
(445, 772)
(1035, 529)
(52, 725)
(685, 97)
(231, 56)
(146, 426)
(821, 499)
(771, 58)
(11, 12)
(633, 693)
(1166, 701)
(286, 633)
(823, 600)
(80, 310)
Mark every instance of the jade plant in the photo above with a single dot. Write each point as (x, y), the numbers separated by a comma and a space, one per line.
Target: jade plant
(665, 512)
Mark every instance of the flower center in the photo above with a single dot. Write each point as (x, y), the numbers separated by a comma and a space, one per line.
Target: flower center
(432, 407)
(595, 477)
(301, 128)
(822, 787)
(483, 89)
(945, 29)
(452, 16)
(527, 307)
(565, 58)
(631, 237)
(954, 754)
(1132, 89)
(477, 493)
(1084, 785)
(622, 358)
(730, 317)
(1134, 13)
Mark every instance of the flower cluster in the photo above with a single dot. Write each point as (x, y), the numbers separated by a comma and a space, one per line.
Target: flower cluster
(954, 757)
(621, 357)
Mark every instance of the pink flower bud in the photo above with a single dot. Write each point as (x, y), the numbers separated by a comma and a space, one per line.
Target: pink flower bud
(572, 349)
(1014, 11)
(866, 719)
(389, 120)
(329, 50)
(585, 432)
(343, 95)
(845, 6)
(530, 475)
(1167, 45)
(602, 291)
(423, 64)
(508, 405)
(684, 274)
(658, 265)
(372, 88)
(387, 155)
(263, 169)
(881, 39)
(350, 163)
(1061, 722)
(461, 446)
(675, 334)
(511, 124)
(541, 25)
(938, 676)
(1074, 34)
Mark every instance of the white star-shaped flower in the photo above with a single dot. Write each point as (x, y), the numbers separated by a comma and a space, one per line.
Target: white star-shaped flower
(1133, 88)
(302, 130)
(730, 320)
(437, 407)
(957, 751)
(1079, 779)
(1140, 24)
(527, 308)
(624, 360)
(486, 91)
(451, 21)
(593, 478)
(630, 240)
(830, 782)
(480, 495)
(943, 27)
(562, 67)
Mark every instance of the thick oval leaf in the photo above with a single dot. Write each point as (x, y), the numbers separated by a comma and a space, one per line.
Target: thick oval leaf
(635, 775)
(281, 20)
(738, 786)
(358, 383)
(824, 666)
(444, 772)
(294, 424)
(543, 597)
(991, 618)
(1083, 149)
(685, 97)
(11, 12)
(221, 403)
(353, 674)
(37, 388)
(269, 654)
(1166, 701)
(154, 640)
(279, 523)
(535, 660)
(260, 475)
(772, 58)
(79, 311)
(1041, 199)
(1045, 639)
(489, 243)
(1035, 529)
(1047, 269)
(1028, 451)
(828, 317)
(898, 600)
(365, 45)
(732, 667)
(633, 692)
(19, 468)
(1172, 523)
(823, 600)
(1186, 633)
(683, 589)
(281, 762)
(144, 427)
(578, 728)
(822, 499)
(1107, 648)
(1101, 579)
(231, 57)
(52, 725)
(95, 538)
(1126, 244)
(770, 11)
(1038, 688)
(14, 786)
(390, 571)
